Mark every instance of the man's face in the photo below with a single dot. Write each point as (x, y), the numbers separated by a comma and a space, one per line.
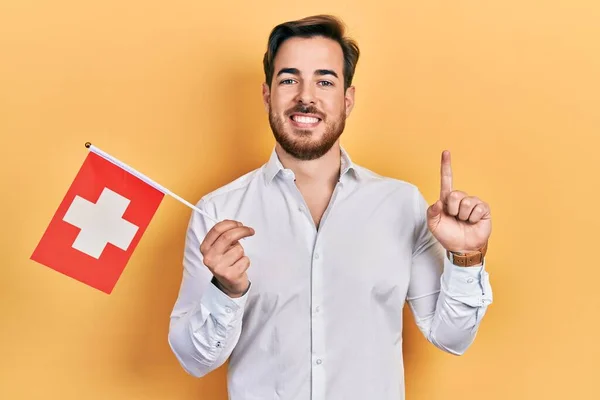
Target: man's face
(307, 103)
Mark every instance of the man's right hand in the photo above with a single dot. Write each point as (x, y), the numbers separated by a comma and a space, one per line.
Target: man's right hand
(224, 256)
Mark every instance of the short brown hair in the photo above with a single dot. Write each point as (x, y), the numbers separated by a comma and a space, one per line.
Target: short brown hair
(318, 25)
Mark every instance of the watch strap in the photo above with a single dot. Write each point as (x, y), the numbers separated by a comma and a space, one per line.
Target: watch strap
(467, 259)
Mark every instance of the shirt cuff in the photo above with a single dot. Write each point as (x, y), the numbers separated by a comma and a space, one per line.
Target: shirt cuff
(469, 285)
(225, 309)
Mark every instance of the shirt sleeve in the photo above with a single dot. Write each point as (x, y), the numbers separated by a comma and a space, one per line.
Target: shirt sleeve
(448, 302)
(205, 323)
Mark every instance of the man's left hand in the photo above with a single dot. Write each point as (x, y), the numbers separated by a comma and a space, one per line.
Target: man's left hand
(458, 221)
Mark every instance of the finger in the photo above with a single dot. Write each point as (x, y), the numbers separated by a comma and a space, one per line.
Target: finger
(230, 237)
(435, 209)
(230, 274)
(241, 265)
(453, 202)
(481, 211)
(446, 176)
(467, 204)
(232, 255)
(215, 232)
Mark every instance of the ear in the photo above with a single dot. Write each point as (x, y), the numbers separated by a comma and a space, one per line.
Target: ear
(266, 95)
(349, 100)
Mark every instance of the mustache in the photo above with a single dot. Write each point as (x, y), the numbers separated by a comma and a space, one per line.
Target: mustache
(305, 109)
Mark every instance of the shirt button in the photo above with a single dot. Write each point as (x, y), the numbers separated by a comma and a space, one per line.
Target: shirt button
(301, 209)
(319, 361)
(470, 280)
(228, 310)
(317, 309)
(316, 256)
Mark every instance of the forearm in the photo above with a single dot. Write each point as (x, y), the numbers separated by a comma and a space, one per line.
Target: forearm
(451, 317)
(203, 337)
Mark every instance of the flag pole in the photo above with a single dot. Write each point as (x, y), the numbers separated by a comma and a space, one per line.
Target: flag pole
(144, 178)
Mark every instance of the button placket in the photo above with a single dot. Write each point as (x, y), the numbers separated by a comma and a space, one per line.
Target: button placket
(317, 323)
(317, 326)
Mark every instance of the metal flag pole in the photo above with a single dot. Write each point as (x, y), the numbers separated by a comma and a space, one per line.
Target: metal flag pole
(144, 178)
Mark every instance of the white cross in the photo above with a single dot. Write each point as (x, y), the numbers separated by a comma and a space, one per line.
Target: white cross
(100, 223)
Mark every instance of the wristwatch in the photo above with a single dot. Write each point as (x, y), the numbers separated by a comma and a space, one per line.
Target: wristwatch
(467, 259)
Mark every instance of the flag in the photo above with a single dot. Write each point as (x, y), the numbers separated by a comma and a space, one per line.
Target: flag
(99, 223)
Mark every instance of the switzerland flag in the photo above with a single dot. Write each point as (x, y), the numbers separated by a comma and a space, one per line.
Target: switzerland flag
(98, 224)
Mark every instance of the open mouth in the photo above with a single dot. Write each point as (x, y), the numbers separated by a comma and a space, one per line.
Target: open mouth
(304, 120)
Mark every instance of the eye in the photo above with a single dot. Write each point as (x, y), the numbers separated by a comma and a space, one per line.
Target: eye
(325, 83)
(286, 82)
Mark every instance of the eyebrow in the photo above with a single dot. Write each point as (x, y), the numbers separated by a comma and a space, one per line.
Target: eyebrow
(296, 71)
(326, 72)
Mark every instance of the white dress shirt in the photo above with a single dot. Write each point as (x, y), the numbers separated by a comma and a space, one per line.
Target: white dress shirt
(322, 319)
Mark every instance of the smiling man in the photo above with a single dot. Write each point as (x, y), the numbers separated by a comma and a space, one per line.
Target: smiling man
(303, 130)
(302, 285)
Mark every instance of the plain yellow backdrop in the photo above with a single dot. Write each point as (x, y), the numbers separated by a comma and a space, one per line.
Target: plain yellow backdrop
(511, 87)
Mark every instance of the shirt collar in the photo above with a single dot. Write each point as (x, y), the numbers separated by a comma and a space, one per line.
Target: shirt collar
(273, 167)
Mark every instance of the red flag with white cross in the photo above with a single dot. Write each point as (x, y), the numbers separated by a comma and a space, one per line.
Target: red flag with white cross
(98, 224)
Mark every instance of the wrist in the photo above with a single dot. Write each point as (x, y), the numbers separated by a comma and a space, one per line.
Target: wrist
(234, 294)
(467, 258)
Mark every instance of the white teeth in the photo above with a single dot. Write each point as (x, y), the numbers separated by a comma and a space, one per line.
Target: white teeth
(305, 120)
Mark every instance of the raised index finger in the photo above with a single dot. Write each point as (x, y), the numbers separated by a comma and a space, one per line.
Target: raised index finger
(446, 176)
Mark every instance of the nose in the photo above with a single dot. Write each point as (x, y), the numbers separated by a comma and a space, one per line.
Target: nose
(306, 93)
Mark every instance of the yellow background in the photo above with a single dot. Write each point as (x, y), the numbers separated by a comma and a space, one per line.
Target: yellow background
(511, 87)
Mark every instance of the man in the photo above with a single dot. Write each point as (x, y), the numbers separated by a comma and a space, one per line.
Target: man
(302, 284)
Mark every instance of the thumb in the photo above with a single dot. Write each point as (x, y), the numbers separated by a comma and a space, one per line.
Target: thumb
(435, 210)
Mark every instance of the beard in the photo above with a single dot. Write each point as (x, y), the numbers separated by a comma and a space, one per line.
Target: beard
(299, 144)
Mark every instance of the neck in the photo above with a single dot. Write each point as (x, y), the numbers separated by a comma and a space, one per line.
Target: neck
(321, 171)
